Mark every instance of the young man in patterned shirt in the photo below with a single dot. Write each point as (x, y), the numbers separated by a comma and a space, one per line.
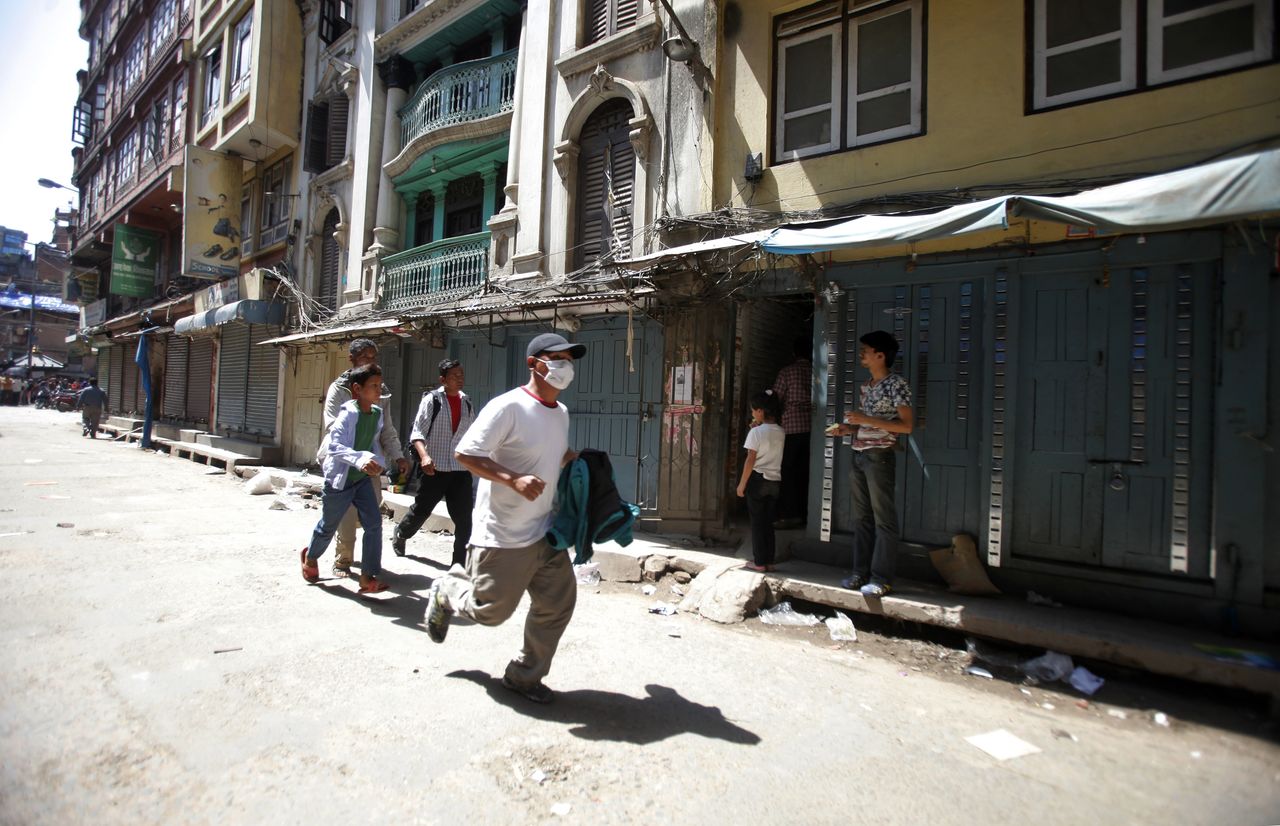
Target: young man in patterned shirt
(885, 415)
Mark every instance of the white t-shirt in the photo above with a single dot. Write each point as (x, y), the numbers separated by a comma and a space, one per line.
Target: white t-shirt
(527, 437)
(767, 441)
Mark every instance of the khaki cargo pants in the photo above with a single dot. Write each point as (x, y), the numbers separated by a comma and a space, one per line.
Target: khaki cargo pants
(346, 541)
(490, 588)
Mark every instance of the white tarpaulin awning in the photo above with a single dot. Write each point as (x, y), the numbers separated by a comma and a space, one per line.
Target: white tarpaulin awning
(1211, 193)
(345, 331)
(1246, 186)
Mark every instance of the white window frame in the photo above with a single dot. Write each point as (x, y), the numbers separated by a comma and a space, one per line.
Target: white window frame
(241, 54)
(836, 32)
(1127, 34)
(1157, 22)
(210, 86)
(916, 84)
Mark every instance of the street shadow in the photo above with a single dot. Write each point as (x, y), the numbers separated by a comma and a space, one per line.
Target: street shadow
(439, 566)
(608, 715)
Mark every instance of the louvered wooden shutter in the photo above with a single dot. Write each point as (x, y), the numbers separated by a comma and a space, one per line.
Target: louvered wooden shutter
(597, 20)
(337, 136)
(317, 137)
(627, 12)
(330, 263)
(605, 134)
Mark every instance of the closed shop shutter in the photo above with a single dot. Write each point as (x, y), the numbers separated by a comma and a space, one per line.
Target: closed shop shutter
(129, 381)
(233, 370)
(175, 378)
(264, 382)
(392, 363)
(115, 360)
(199, 379)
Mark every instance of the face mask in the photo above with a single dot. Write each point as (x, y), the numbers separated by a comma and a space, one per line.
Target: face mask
(559, 373)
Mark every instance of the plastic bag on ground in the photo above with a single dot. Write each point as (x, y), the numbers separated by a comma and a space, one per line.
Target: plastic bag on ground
(588, 573)
(1048, 667)
(841, 628)
(988, 653)
(784, 614)
(1085, 681)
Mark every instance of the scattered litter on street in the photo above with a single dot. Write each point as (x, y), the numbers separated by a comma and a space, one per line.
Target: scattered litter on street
(649, 590)
(227, 650)
(1025, 691)
(1062, 734)
(1160, 719)
(1195, 755)
(32, 461)
(1002, 745)
(38, 484)
(990, 654)
(538, 776)
(1117, 713)
(587, 573)
(841, 628)
(666, 609)
(561, 809)
(1048, 667)
(279, 504)
(258, 485)
(66, 524)
(1085, 681)
(677, 590)
(1048, 706)
(12, 533)
(979, 671)
(1037, 599)
(1082, 703)
(784, 614)
(54, 496)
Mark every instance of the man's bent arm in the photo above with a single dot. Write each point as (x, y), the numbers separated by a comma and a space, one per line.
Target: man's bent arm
(486, 468)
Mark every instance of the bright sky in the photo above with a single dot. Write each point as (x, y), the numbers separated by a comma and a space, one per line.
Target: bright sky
(42, 51)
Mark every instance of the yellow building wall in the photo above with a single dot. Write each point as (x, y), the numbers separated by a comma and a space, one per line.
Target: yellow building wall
(976, 129)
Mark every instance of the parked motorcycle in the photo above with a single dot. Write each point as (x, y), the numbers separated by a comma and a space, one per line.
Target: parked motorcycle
(64, 401)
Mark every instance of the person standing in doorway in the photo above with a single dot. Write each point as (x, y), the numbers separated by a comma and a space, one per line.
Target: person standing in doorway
(793, 387)
(517, 446)
(92, 401)
(444, 415)
(361, 352)
(762, 477)
(885, 415)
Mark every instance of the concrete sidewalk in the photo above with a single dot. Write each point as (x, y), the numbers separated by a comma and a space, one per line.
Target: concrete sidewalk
(1155, 647)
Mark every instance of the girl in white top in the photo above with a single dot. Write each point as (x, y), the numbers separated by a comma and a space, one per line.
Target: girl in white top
(761, 481)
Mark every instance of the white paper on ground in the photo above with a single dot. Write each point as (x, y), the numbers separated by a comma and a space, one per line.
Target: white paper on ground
(1002, 745)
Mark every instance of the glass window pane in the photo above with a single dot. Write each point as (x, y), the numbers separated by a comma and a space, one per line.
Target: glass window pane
(1172, 7)
(1069, 21)
(808, 68)
(806, 131)
(884, 52)
(885, 112)
(1083, 68)
(1208, 38)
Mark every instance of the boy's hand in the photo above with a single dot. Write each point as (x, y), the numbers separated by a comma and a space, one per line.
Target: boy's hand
(428, 466)
(742, 491)
(372, 468)
(402, 465)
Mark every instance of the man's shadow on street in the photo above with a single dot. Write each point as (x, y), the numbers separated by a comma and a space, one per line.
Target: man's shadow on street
(608, 715)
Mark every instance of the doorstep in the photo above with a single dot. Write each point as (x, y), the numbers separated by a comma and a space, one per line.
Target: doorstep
(1156, 647)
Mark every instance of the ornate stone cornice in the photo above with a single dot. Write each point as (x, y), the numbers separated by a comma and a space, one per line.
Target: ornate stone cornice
(416, 23)
(396, 73)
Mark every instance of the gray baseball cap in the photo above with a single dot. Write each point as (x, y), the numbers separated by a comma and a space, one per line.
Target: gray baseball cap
(554, 343)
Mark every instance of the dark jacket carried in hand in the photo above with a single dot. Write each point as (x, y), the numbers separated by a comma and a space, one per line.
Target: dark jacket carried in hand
(591, 509)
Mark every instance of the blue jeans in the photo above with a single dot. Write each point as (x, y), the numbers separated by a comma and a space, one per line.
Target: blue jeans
(875, 525)
(334, 506)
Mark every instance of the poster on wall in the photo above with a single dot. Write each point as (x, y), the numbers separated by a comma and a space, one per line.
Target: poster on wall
(211, 214)
(135, 257)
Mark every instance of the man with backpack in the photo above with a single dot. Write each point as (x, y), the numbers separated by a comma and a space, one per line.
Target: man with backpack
(443, 417)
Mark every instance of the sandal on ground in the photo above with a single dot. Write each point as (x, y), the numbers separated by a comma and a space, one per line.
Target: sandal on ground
(341, 571)
(759, 569)
(310, 570)
(373, 585)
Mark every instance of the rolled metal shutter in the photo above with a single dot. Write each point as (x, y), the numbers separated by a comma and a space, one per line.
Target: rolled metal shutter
(175, 378)
(264, 382)
(129, 380)
(199, 380)
(233, 376)
(115, 359)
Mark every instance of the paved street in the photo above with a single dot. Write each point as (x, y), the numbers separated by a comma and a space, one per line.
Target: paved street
(165, 663)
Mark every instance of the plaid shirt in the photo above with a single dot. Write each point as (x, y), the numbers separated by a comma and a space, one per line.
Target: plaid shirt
(882, 400)
(793, 390)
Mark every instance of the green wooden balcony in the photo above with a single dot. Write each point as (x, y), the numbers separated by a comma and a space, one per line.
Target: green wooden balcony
(434, 272)
(468, 91)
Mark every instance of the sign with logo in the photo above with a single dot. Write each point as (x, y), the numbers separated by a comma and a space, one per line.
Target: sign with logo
(211, 214)
(218, 295)
(91, 315)
(135, 256)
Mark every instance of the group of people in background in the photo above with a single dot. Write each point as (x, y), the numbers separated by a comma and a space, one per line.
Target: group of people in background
(515, 446)
(775, 474)
(16, 390)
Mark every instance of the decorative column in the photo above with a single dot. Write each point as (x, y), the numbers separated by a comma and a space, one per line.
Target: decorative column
(502, 227)
(397, 75)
